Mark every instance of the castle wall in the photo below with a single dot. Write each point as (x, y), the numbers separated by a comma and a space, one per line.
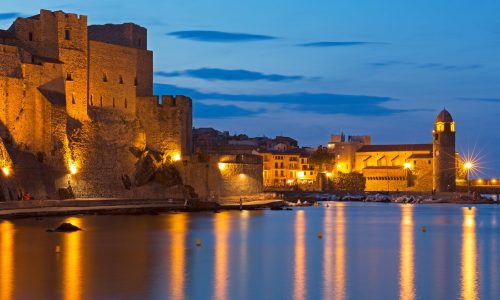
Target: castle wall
(168, 124)
(10, 61)
(112, 77)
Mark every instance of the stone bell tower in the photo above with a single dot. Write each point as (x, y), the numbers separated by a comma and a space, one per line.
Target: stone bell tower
(443, 142)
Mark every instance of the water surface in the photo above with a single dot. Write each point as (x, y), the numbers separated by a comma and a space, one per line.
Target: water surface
(344, 251)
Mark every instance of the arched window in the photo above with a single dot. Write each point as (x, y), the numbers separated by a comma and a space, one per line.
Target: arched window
(440, 126)
(452, 126)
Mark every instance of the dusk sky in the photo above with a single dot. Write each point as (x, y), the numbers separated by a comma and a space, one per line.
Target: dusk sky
(311, 69)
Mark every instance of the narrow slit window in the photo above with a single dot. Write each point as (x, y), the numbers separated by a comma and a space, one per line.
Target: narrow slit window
(125, 103)
(135, 81)
(101, 101)
(91, 100)
(73, 98)
(113, 101)
(67, 34)
(30, 36)
(121, 79)
(105, 77)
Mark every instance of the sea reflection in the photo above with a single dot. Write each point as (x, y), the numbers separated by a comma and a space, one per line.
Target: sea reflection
(407, 265)
(6, 260)
(178, 224)
(72, 265)
(222, 229)
(340, 252)
(469, 289)
(299, 290)
(328, 272)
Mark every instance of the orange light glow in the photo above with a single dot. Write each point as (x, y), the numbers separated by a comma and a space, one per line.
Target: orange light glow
(222, 228)
(72, 266)
(178, 223)
(176, 157)
(300, 277)
(6, 260)
(6, 171)
(73, 168)
(340, 252)
(222, 166)
(469, 282)
(406, 263)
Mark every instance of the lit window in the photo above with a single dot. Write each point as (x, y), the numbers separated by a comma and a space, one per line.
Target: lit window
(452, 126)
(440, 127)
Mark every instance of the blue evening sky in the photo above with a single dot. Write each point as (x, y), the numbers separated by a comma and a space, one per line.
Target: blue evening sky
(308, 69)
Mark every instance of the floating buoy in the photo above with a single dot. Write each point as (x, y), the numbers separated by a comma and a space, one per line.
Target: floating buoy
(320, 235)
(424, 229)
(198, 243)
(58, 249)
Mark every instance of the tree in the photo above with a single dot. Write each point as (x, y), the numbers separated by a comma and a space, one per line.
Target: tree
(321, 157)
(349, 182)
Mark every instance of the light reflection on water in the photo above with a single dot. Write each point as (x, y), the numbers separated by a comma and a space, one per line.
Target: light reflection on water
(299, 290)
(469, 289)
(258, 255)
(72, 261)
(6, 260)
(407, 267)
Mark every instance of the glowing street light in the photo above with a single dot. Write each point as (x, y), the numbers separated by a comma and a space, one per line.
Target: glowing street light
(72, 168)
(6, 171)
(176, 157)
(468, 166)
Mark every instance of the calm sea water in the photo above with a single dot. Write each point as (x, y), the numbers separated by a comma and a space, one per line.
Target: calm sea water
(367, 251)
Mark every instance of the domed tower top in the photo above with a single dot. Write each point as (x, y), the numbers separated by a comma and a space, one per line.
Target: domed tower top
(444, 116)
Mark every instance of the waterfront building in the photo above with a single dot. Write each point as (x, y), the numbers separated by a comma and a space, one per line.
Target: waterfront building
(412, 167)
(289, 168)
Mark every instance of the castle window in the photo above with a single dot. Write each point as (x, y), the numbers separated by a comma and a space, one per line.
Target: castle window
(113, 101)
(30, 36)
(67, 34)
(429, 162)
(436, 137)
(101, 101)
(135, 81)
(452, 126)
(105, 77)
(440, 126)
(69, 76)
(91, 100)
(121, 79)
(73, 98)
(125, 102)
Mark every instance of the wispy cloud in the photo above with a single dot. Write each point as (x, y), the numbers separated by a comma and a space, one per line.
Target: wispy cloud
(228, 75)
(9, 15)
(444, 67)
(320, 103)
(333, 44)
(489, 100)
(219, 36)
(431, 66)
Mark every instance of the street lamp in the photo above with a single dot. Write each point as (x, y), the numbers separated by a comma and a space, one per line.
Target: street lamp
(407, 167)
(468, 166)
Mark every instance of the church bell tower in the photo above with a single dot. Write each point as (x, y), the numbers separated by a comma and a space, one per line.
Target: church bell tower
(443, 142)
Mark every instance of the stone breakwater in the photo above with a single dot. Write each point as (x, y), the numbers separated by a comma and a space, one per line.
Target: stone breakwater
(48, 208)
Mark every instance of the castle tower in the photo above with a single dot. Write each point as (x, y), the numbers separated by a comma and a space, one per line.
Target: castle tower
(443, 142)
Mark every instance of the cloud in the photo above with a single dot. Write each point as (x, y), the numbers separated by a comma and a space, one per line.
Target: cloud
(229, 75)
(219, 36)
(429, 66)
(9, 15)
(319, 103)
(488, 100)
(333, 44)
(444, 67)
(214, 111)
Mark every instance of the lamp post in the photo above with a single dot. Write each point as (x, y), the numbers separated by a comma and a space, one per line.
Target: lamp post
(468, 166)
(407, 167)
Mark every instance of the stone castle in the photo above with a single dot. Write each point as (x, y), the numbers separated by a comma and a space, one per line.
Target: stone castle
(77, 111)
